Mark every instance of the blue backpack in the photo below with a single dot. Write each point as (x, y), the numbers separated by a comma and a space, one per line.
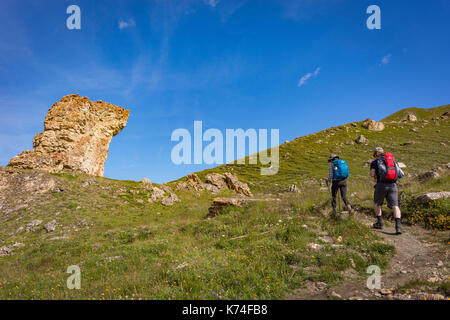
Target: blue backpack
(340, 170)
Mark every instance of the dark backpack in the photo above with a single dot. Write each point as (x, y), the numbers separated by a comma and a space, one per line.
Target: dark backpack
(340, 170)
(388, 170)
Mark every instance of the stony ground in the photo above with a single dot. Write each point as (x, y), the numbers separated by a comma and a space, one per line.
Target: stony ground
(420, 264)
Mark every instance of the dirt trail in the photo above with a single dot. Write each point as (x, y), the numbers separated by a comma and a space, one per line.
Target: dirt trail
(420, 254)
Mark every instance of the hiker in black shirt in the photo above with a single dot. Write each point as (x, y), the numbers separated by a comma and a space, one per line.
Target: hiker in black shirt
(384, 190)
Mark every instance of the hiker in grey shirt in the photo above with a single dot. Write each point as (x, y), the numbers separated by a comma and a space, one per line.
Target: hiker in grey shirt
(337, 185)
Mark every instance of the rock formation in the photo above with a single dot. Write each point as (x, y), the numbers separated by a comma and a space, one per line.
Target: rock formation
(410, 117)
(361, 139)
(214, 182)
(76, 137)
(373, 125)
(221, 203)
(192, 182)
(216, 179)
(234, 184)
(425, 198)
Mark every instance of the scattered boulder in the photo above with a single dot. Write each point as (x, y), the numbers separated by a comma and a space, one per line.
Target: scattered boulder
(293, 188)
(373, 125)
(411, 117)
(5, 251)
(314, 246)
(425, 198)
(170, 200)
(234, 184)
(408, 143)
(445, 115)
(51, 226)
(335, 295)
(368, 162)
(326, 239)
(76, 137)
(32, 225)
(401, 165)
(361, 139)
(221, 203)
(427, 176)
(182, 266)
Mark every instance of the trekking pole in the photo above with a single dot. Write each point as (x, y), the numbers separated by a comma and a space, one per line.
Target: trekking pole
(329, 191)
(339, 201)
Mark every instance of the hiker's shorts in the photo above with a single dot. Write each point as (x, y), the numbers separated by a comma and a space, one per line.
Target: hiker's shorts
(388, 191)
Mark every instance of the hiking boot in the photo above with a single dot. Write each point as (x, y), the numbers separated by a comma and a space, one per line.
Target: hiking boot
(350, 210)
(398, 227)
(377, 225)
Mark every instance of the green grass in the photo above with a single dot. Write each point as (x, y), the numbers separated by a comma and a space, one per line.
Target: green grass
(256, 252)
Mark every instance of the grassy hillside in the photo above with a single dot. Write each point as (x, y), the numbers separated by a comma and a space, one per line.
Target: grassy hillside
(128, 248)
(306, 157)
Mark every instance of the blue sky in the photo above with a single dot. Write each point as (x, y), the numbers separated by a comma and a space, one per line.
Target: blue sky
(229, 63)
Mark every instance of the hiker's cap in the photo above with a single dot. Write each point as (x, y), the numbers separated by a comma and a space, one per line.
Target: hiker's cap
(332, 157)
(377, 151)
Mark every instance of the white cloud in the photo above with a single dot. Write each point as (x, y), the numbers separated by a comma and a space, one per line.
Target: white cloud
(386, 59)
(126, 24)
(212, 3)
(307, 76)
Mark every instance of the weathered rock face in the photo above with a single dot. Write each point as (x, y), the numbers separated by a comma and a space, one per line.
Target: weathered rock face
(76, 137)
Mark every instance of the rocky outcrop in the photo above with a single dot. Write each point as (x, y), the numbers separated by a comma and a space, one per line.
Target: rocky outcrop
(216, 179)
(192, 182)
(373, 125)
(76, 137)
(214, 182)
(219, 204)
